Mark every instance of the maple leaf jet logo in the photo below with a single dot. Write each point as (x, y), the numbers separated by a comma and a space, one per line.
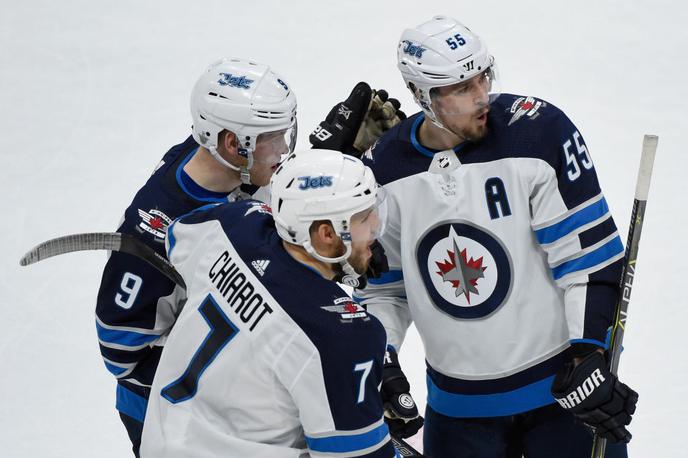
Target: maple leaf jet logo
(463, 275)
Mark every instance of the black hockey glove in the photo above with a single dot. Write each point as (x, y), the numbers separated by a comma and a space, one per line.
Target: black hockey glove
(594, 395)
(377, 266)
(401, 413)
(354, 125)
(378, 261)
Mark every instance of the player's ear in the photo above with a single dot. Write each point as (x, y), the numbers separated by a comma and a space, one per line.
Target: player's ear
(228, 140)
(324, 238)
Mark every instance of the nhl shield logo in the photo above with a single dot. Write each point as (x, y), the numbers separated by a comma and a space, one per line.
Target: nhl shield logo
(465, 269)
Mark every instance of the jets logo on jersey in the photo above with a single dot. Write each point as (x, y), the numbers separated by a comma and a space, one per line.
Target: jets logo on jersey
(260, 265)
(347, 309)
(525, 106)
(154, 222)
(462, 273)
(465, 269)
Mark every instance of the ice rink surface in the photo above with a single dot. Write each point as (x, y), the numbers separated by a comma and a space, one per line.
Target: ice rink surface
(93, 93)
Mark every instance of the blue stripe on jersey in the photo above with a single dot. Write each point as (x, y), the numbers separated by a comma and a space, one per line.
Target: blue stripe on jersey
(131, 404)
(127, 338)
(115, 370)
(569, 224)
(171, 239)
(590, 341)
(598, 256)
(387, 277)
(346, 444)
(414, 140)
(416, 144)
(191, 188)
(523, 399)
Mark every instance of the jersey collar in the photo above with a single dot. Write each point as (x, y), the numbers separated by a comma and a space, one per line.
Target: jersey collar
(422, 149)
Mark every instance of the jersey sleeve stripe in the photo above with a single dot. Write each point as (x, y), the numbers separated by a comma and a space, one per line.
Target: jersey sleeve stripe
(124, 338)
(604, 253)
(115, 370)
(347, 443)
(131, 404)
(557, 261)
(589, 214)
(387, 277)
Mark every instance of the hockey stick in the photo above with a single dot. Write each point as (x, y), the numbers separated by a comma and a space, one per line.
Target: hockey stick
(405, 449)
(637, 217)
(112, 241)
(126, 243)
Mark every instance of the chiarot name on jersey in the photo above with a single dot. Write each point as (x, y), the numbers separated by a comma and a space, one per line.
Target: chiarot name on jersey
(238, 291)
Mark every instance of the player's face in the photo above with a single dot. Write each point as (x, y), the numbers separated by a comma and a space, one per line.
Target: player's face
(270, 147)
(462, 108)
(366, 226)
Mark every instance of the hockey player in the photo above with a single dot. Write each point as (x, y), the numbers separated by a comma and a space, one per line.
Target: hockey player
(503, 253)
(244, 119)
(270, 358)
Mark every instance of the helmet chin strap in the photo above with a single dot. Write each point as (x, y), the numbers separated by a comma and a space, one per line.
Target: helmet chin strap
(348, 276)
(242, 169)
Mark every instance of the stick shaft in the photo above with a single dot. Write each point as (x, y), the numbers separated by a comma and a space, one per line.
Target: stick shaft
(628, 273)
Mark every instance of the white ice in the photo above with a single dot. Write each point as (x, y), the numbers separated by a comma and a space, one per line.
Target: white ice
(92, 93)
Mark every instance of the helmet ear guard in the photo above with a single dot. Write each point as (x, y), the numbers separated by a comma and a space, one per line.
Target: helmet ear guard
(245, 98)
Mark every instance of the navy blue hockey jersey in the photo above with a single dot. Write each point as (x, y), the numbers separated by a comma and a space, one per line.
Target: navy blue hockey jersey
(501, 261)
(136, 304)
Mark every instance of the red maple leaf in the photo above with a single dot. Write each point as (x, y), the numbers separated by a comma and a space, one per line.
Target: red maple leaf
(156, 223)
(525, 106)
(448, 265)
(350, 307)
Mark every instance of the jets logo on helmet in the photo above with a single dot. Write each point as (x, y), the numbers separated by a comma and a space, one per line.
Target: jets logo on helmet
(227, 79)
(465, 269)
(315, 182)
(413, 49)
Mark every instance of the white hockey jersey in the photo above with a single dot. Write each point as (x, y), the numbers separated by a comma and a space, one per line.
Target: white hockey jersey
(501, 260)
(267, 359)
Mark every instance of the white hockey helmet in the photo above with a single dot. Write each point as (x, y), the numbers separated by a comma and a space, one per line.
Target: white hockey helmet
(314, 185)
(442, 52)
(245, 98)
